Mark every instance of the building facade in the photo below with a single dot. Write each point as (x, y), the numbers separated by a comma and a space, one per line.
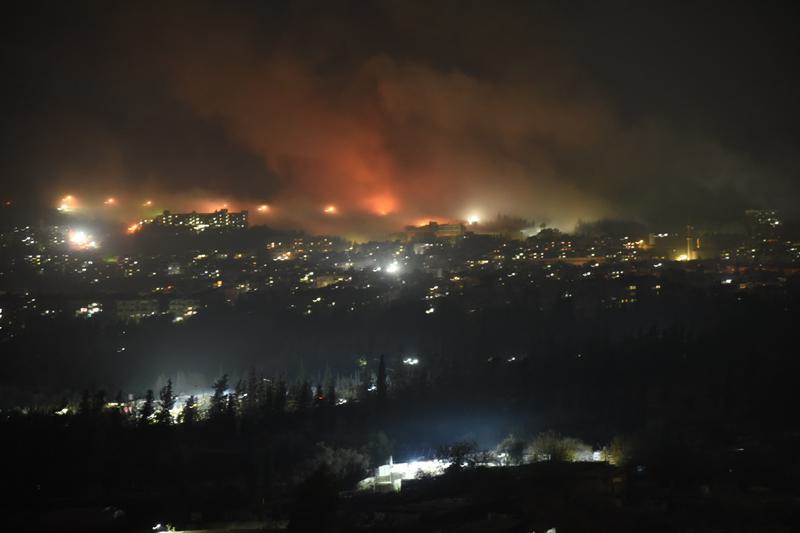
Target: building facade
(222, 219)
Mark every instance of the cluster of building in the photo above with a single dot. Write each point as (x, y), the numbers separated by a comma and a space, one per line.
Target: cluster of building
(433, 263)
(218, 220)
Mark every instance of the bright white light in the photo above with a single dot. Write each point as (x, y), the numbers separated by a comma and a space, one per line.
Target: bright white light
(81, 240)
(473, 219)
(411, 361)
(429, 311)
(395, 473)
(393, 268)
(78, 237)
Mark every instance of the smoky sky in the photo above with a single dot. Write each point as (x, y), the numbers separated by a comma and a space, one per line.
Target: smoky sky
(403, 111)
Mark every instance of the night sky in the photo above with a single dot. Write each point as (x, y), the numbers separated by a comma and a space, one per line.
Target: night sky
(397, 112)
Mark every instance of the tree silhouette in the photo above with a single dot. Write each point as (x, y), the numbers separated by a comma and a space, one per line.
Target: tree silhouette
(302, 397)
(85, 407)
(280, 397)
(319, 396)
(148, 408)
(188, 414)
(330, 388)
(330, 397)
(364, 378)
(512, 450)
(266, 397)
(252, 393)
(98, 402)
(167, 402)
(235, 399)
(232, 406)
(218, 401)
(116, 412)
(458, 454)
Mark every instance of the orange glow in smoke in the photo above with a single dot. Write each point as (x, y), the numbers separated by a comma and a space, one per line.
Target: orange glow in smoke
(110, 201)
(133, 228)
(67, 203)
(263, 208)
(382, 204)
(147, 203)
(330, 210)
(428, 220)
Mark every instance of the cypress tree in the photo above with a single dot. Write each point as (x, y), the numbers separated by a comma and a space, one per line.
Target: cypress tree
(188, 414)
(148, 408)
(167, 402)
(218, 401)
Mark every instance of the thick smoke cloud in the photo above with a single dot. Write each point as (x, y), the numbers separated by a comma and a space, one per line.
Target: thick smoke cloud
(399, 112)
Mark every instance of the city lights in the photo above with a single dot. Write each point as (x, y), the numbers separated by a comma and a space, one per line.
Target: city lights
(89, 310)
(404, 265)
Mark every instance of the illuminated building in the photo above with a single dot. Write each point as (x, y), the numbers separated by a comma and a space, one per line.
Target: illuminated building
(88, 310)
(182, 308)
(420, 248)
(320, 282)
(390, 477)
(763, 225)
(135, 310)
(222, 219)
(434, 230)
